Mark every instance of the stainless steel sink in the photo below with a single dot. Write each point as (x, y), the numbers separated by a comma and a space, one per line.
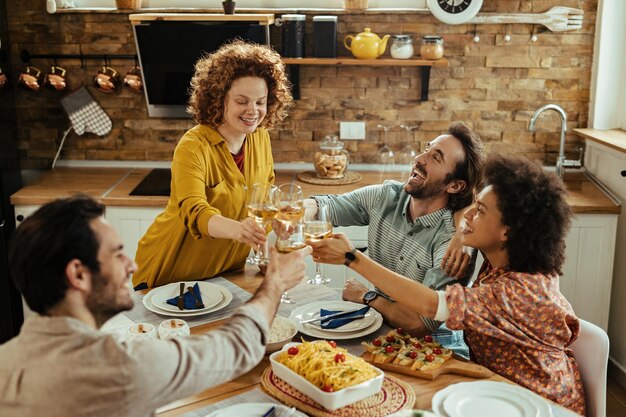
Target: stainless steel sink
(157, 182)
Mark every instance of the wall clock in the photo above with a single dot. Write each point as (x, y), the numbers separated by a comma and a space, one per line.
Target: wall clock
(454, 12)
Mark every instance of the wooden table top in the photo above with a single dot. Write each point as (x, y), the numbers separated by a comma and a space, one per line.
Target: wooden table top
(249, 279)
(112, 186)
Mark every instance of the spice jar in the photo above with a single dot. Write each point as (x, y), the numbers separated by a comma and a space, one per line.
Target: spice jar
(332, 159)
(432, 47)
(401, 47)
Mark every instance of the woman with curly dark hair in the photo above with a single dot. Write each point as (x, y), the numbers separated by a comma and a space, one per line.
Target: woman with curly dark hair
(515, 320)
(236, 93)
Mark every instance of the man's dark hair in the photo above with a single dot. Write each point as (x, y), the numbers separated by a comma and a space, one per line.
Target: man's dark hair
(470, 169)
(535, 210)
(46, 242)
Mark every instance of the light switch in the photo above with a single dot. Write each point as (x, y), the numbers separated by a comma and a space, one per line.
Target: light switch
(352, 130)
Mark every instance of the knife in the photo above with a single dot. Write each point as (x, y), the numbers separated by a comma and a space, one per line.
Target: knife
(332, 316)
(180, 303)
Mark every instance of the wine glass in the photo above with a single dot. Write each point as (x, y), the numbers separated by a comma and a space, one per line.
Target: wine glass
(407, 155)
(317, 226)
(290, 236)
(385, 153)
(262, 208)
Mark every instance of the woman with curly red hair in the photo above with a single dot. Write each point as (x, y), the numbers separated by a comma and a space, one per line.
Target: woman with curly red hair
(236, 93)
(515, 320)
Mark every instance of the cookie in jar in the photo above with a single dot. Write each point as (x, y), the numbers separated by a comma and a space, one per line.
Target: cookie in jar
(332, 160)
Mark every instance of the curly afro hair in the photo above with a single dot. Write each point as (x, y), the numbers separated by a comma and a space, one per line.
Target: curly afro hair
(215, 73)
(534, 209)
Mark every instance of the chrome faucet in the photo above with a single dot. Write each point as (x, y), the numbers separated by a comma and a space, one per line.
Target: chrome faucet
(561, 162)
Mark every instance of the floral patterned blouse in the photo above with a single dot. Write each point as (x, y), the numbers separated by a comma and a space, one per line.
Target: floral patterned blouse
(519, 325)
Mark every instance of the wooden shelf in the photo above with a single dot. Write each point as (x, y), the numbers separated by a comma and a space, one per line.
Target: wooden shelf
(293, 65)
(261, 19)
(383, 62)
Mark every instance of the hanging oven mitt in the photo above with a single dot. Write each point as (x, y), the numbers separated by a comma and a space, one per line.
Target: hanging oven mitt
(85, 113)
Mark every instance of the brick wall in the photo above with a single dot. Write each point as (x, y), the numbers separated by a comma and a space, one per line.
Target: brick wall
(493, 85)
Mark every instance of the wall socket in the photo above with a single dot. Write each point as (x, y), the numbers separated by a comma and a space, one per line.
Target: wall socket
(351, 130)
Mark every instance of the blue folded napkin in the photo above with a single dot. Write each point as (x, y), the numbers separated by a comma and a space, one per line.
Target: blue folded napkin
(342, 320)
(190, 302)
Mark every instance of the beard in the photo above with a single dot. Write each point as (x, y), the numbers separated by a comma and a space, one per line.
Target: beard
(103, 301)
(426, 191)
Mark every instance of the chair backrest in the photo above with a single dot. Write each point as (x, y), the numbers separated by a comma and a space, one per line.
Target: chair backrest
(591, 350)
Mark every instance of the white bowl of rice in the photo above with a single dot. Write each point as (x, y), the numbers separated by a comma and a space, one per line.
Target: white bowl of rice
(281, 332)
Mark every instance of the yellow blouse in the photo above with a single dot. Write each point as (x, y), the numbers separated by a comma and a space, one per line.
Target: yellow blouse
(205, 182)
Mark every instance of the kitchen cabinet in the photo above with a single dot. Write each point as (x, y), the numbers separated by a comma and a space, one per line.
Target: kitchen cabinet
(131, 223)
(607, 162)
(588, 268)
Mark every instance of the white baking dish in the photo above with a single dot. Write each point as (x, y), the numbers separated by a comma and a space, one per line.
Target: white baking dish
(329, 400)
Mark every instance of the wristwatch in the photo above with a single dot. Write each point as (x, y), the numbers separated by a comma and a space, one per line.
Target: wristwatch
(370, 296)
(350, 257)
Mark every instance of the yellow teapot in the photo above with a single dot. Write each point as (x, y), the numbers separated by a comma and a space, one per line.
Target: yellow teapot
(366, 45)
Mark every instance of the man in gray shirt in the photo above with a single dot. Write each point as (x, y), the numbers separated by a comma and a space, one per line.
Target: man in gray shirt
(410, 225)
(69, 264)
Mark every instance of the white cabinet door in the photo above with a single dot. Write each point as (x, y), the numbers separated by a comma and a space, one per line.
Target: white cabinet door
(22, 212)
(607, 165)
(131, 223)
(588, 269)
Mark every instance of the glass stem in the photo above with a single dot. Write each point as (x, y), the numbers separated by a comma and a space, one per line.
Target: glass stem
(318, 271)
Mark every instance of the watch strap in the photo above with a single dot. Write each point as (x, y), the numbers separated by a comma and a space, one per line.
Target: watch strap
(350, 257)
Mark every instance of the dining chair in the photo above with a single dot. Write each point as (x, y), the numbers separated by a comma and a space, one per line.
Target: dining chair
(591, 350)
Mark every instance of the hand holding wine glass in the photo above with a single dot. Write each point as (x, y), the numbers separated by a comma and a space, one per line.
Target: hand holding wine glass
(317, 226)
(263, 210)
(289, 236)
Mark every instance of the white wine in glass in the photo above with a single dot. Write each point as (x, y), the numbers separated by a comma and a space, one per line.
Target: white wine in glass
(263, 209)
(317, 226)
(290, 237)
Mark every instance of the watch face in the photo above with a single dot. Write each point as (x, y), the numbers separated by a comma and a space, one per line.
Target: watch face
(369, 296)
(454, 12)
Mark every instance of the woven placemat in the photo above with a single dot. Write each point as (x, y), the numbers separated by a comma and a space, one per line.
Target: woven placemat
(349, 177)
(395, 395)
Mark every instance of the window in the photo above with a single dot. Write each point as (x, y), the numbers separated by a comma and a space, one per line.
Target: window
(608, 84)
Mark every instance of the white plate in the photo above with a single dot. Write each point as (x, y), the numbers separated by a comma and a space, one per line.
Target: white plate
(296, 316)
(211, 295)
(251, 410)
(489, 399)
(469, 403)
(227, 298)
(312, 310)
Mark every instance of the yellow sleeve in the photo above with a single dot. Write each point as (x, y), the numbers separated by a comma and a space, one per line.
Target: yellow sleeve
(189, 170)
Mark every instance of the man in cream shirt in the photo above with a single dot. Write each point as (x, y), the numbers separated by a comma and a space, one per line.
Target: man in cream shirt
(69, 264)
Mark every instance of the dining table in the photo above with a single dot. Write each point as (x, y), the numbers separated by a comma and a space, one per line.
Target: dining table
(247, 281)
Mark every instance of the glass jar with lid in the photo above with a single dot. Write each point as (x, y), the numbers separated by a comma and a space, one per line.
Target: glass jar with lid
(332, 159)
(401, 47)
(432, 47)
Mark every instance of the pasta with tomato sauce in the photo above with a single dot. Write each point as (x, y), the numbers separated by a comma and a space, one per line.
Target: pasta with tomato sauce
(326, 366)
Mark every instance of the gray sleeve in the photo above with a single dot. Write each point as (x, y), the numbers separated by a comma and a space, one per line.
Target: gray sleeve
(167, 370)
(437, 279)
(353, 208)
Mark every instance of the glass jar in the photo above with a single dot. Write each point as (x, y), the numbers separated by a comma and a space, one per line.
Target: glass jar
(332, 159)
(432, 47)
(401, 47)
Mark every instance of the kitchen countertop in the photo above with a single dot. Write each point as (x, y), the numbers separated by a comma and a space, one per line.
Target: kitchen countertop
(613, 138)
(111, 186)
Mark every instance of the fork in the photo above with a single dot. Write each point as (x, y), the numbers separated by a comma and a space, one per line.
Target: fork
(557, 19)
(199, 304)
